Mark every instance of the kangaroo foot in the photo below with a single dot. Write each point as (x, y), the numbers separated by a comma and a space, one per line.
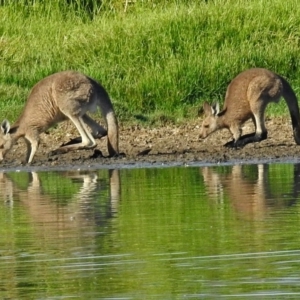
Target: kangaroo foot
(68, 147)
(77, 140)
(240, 143)
(231, 144)
(99, 134)
(262, 136)
(253, 138)
(247, 139)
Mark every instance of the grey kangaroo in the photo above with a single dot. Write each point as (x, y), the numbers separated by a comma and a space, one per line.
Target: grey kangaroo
(56, 98)
(247, 96)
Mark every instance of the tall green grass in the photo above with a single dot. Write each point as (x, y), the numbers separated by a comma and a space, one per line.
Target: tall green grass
(157, 59)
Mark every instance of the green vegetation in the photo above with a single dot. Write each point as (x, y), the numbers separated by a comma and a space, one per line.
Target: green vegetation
(159, 60)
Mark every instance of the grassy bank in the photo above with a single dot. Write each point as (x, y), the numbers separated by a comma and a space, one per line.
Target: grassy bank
(159, 60)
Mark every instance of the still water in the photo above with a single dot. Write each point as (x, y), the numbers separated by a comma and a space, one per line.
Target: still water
(228, 232)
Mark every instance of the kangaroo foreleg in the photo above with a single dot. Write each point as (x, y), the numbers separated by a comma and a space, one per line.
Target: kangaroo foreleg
(236, 132)
(32, 142)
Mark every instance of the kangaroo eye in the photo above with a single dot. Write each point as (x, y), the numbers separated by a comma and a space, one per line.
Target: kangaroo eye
(206, 126)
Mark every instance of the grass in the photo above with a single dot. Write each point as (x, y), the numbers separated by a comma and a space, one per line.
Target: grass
(159, 60)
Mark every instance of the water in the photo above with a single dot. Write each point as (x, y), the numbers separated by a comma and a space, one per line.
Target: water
(173, 233)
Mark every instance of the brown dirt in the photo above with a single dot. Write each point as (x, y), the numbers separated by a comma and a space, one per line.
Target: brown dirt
(171, 144)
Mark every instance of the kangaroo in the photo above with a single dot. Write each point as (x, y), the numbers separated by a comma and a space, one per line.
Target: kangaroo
(247, 96)
(56, 98)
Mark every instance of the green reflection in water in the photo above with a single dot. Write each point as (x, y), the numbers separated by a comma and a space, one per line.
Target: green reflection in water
(151, 233)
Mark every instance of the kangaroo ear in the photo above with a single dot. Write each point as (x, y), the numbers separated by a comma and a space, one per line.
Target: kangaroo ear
(215, 109)
(200, 111)
(5, 127)
(207, 109)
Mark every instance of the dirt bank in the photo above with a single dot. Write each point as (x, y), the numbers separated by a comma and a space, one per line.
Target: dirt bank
(169, 144)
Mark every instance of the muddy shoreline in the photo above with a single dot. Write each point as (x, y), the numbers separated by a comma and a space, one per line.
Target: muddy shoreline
(169, 145)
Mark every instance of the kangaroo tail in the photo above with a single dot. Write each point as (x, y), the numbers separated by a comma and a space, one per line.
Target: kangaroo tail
(292, 103)
(112, 133)
(109, 115)
(112, 124)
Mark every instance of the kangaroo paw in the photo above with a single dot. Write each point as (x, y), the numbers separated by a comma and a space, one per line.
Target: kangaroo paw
(260, 137)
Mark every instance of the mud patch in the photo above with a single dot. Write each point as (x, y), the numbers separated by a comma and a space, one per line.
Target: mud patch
(174, 145)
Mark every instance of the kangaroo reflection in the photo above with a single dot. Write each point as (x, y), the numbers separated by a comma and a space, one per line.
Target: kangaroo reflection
(6, 188)
(249, 189)
(86, 202)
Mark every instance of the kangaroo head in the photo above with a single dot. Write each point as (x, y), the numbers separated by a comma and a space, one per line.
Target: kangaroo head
(5, 139)
(209, 124)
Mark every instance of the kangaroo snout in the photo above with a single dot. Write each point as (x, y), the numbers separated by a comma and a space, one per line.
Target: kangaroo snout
(202, 136)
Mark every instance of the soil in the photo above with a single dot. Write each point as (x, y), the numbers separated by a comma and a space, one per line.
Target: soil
(165, 145)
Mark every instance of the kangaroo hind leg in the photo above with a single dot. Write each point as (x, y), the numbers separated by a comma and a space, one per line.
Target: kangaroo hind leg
(87, 140)
(98, 131)
(258, 109)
